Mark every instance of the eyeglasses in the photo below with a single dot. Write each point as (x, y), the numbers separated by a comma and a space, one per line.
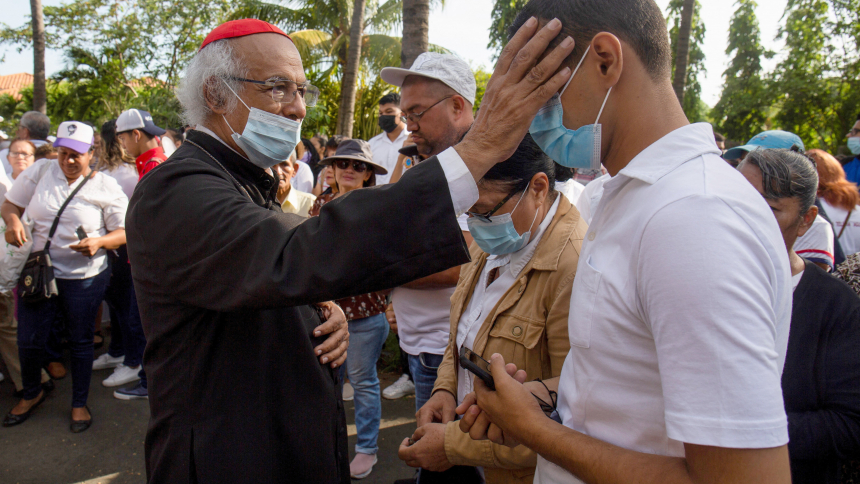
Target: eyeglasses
(358, 166)
(415, 117)
(20, 154)
(486, 216)
(284, 90)
(854, 132)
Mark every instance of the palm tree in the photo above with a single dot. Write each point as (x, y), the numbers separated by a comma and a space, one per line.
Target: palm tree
(40, 92)
(683, 53)
(416, 28)
(350, 71)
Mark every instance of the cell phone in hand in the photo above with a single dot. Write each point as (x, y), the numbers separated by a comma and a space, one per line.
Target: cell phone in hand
(80, 232)
(477, 365)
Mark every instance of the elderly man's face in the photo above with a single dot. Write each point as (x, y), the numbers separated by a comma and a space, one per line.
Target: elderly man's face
(269, 56)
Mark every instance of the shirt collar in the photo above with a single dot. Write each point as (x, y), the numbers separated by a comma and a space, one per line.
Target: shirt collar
(402, 136)
(672, 151)
(147, 155)
(518, 260)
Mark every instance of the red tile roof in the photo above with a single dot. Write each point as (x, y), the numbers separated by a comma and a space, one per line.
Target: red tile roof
(13, 83)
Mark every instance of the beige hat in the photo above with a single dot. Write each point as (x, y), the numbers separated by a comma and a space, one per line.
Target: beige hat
(354, 149)
(450, 69)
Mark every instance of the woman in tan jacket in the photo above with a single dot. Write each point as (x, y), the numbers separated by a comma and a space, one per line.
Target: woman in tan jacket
(513, 299)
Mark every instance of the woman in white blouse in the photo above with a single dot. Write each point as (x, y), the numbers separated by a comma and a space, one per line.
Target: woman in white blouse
(840, 200)
(80, 265)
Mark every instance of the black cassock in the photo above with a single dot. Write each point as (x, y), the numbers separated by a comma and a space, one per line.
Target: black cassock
(224, 285)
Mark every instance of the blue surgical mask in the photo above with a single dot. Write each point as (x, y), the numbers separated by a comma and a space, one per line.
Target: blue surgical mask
(498, 236)
(268, 139)
(854, 145)
(573, 148)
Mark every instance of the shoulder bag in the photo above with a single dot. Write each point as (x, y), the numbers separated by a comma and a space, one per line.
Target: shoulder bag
(37, 281)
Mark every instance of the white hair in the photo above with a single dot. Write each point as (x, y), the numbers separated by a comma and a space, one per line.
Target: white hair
(212, 67)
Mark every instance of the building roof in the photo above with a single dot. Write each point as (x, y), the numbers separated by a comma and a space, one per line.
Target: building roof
(13, 83)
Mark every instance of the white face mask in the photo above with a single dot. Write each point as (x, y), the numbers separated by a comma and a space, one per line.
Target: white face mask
(268, 139)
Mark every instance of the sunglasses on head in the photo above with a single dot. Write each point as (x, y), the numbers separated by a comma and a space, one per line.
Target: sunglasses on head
(358, 166)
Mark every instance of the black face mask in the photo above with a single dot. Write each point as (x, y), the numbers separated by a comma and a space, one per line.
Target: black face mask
(387, 122)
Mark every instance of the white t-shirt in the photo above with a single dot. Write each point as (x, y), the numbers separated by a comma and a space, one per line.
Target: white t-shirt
(127, 177)
(571, 189)
(424, 315)
(303, 180)
(99, 208)
(850, 239)
(590, 197)
(816, 244)
(385, 154)
(680, 309)
(4, 156)
(485, 298)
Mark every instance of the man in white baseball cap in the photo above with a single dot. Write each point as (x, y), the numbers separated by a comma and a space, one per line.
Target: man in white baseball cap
(437, 94)
(136, 131)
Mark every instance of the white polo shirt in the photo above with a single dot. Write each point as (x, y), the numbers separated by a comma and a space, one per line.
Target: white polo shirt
(385, 152)
(817, 243)
(679, 311)
(99, 208)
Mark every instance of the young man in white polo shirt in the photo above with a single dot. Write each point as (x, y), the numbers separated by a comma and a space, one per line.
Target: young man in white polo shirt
(682, 298)
(394, 133)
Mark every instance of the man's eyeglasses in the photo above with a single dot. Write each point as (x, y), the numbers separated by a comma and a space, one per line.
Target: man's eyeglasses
(20, 154)
(358, 166)
(486, 216)
(415, 117)
(854, 132)
(284, 90)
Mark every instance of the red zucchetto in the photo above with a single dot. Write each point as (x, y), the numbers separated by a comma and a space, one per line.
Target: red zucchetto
(241, 28)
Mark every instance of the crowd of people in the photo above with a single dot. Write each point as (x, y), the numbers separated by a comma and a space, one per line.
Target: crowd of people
(680, 308)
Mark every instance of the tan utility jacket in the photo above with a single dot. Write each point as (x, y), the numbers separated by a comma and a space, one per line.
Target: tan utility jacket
(528, 327)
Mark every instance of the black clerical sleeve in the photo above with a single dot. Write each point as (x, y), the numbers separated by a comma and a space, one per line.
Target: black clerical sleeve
(192, 232)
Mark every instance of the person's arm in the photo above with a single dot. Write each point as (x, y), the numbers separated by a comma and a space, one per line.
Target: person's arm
(446, 278)
(399, 168)
(597, 462)
(15, 234)
(90, 245)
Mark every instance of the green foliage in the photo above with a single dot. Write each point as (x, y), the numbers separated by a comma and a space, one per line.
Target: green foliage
(503, 15)
(693, 106)
(741, 112)
(482, 77)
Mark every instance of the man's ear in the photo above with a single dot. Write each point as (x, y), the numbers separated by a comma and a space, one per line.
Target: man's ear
(806, 221)
(213, 96)
(608, 48)
(460, 105)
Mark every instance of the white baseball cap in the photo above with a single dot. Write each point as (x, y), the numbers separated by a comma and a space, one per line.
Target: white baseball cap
(137, 119)
(74, 135)
(447, 68)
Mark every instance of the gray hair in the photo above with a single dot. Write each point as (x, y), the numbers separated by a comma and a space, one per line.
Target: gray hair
(37, 124)
(210, 68)
(785, 174)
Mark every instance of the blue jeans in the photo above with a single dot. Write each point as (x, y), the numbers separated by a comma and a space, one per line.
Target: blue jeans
(366, 337)
(423, 368)
(78, 302)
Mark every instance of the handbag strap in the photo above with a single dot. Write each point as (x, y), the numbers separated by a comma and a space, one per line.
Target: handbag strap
(845, 223)
(63, 207)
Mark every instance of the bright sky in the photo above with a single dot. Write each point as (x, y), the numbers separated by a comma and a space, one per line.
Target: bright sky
(462, 26)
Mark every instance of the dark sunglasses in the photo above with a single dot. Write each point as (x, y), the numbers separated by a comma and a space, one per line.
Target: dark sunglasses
(358, 166)
(486, 216)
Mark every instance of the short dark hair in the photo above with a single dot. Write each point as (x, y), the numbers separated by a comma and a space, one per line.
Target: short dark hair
(335, 140)
(516, 172)
(719, 137)
(785, 174)
(390, 98)
(639, 23)
(144, 133)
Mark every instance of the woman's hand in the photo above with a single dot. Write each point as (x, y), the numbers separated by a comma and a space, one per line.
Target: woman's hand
(334, 347)
(88, 246)
(391, 317)
(15, 234)
(502, 416)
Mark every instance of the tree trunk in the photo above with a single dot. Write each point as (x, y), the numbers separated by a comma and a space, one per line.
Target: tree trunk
(40, 92)
(682, 56)
(346, 113)
(416, 28)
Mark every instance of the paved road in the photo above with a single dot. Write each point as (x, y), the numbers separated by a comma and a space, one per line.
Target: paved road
(43, 451)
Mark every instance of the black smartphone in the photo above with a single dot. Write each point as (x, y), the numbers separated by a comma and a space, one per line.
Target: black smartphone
(80, 232)
(477, 365)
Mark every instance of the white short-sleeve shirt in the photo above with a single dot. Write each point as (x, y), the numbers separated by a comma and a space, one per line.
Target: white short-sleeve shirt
(817, 243)
(680, 309)
(385, 153)
(850, 239)
(99, 208)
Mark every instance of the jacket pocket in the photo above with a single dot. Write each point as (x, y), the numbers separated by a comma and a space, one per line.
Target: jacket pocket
(520, 330)
(586, 286)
